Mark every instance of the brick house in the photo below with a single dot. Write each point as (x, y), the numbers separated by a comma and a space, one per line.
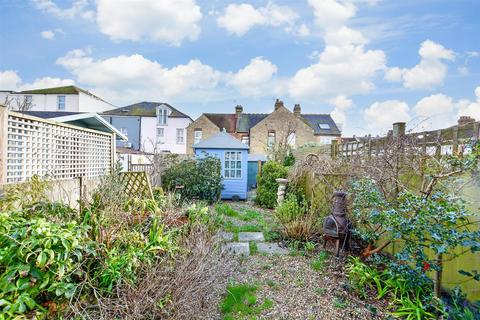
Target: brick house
(260, 131)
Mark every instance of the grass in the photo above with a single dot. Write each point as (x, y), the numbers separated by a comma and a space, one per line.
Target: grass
(230, 227)
(241, 302)
(318, 264)
(320, 291)
(339, 302)
(272, 284)
(253, 247)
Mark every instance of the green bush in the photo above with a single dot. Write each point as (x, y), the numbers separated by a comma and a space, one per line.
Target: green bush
(297, 220)
(198, 179)
(267, 186)
(40, 261)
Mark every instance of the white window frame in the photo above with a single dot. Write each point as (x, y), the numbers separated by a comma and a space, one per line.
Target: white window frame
(232, 163)
(180, 138)
(64, 98)
(124, 131)
(246, 140)
(292, 139)
(271, 137)
(160, 137)
(197, 136)
(162, 116)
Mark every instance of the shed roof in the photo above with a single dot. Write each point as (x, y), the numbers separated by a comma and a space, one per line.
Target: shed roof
(146, 109)
(82, 119)
(221, 140)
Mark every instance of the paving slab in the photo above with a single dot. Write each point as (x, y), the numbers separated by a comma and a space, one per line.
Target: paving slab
(240, 248)
(250, 236)
(226, 236)
(271, 248)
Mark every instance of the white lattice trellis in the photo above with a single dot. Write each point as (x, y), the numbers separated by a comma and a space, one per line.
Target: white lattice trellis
(59, 151)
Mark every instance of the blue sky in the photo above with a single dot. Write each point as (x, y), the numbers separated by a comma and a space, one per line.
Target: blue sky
(368, 62)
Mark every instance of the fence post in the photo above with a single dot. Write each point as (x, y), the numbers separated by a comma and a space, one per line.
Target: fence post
(333, 151)
(3, 144)
(476, 130)
(398, 129)
(113, 146)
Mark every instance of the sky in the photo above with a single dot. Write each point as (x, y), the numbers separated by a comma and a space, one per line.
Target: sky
(369, 63)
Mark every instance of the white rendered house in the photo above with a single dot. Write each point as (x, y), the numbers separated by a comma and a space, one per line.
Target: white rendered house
(67, 99)
(151, 127)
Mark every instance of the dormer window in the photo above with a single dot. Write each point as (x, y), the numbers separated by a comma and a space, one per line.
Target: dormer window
(162, 116)
(324, 126)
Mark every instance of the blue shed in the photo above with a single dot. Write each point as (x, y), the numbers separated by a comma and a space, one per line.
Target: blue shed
(233, 155)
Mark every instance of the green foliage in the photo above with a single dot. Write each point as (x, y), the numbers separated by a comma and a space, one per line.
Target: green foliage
(40, 261)
(226, 210)
(436, 223)
(22, 195)
(460, 309)
(297, 220)
(411, 297)
(267, 186)
(198, 179)
(241, 302)
(318, 264)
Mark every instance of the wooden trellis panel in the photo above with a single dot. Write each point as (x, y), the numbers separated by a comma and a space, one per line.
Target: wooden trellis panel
(322, 188)
(136, 185)
(35, 146)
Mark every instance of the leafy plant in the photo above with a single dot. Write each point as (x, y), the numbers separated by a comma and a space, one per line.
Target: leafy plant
(195, 179)
(296, 218)
(267, 186)
(40, 261)
(318, 264)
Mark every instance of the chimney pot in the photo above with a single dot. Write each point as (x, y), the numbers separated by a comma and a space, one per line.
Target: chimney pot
(464, 120)
(297, 110)
(278, 103)
(238, 110)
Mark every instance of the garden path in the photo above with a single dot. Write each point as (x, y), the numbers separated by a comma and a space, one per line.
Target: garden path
(290, 284)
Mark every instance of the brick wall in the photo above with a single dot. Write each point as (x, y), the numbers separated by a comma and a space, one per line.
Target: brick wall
(282, 121)
(208, 130)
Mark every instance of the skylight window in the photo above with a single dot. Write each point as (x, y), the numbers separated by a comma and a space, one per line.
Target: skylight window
(324, 126)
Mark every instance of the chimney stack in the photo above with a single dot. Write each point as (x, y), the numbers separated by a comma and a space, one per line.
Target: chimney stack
(465, 120)
(278, 104)
(297, 110)
(238, 111)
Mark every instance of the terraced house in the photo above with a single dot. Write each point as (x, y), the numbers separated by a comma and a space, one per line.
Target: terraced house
(262, 131)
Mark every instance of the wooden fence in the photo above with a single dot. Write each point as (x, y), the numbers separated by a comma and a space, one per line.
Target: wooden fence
(33, 146)
(437, 142)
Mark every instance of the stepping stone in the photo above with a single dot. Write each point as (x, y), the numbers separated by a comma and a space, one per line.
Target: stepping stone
(227, 236)
(271, 248)
(241, 248)
(250, 236)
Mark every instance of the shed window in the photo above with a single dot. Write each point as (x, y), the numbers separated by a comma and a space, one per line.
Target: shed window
(197, 136)
(233, 165)
(324, 126)
(271, 139)
(61, 103)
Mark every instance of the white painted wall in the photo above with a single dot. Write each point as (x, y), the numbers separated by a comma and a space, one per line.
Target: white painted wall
(169, 143)
(87, 103)
(48, 102)
(45, 102)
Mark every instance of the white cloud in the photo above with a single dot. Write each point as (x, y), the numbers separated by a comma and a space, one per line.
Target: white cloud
(134, 77)
(303, 30)
(381, 115)
(256, 78)
(9, 80)
(341, 105)
(332, 14)
(238, 19)
(470, 108)
(431, 70)
(434, 112)
(48, 34)
(78, 9)
(169, 21)
(345, 67)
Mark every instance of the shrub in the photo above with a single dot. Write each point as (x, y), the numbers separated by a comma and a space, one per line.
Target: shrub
(40, 261)
(297, 220)
(267, 186)
(198, 179)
